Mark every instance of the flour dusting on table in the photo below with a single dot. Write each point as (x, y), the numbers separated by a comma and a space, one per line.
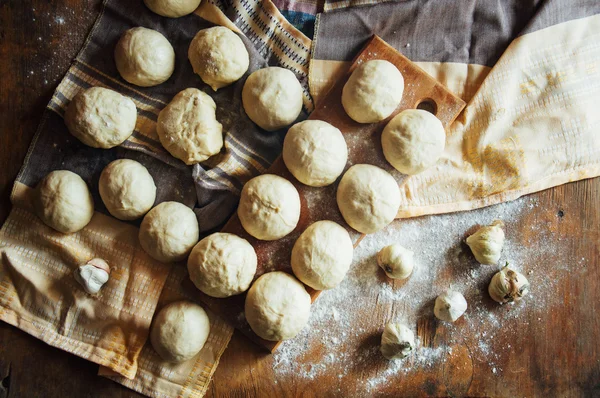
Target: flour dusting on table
(346, 322)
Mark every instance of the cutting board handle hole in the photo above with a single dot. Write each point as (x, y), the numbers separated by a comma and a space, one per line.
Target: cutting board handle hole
(427, 104)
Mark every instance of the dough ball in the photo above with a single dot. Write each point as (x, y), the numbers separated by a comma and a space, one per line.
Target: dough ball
(172, 8)
(368, 198)
(373, 91)
(127, 189)
(508, 285)
(179, 331)
(188, 127)
(486, 244)
(222, 265)
(144, 57)
(396, 260)
(269, 207)
(63, 202)
(322, 255)
(449, 306)
(413, 141)
(101, 118)
(272, 98)
(218, 56)
(315, 152)
(397, 341)
(277, 306)
(169, 232)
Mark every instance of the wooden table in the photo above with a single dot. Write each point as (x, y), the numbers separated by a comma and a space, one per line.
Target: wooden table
(558, 356)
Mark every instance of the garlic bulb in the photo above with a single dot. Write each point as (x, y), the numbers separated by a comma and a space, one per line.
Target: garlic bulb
(450, 306)
(396, 261)
(93, 275)
(508, 285)
(397, 341)
(486, 244)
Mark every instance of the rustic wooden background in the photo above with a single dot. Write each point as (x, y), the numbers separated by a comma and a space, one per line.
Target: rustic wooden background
(39, 39)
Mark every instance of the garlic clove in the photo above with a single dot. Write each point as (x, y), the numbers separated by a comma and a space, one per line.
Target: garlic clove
(93, 275)
(397, 341)
(508, 286)
(396, 260)
(486, 244)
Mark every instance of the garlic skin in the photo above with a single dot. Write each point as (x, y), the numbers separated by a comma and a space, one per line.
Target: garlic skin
(449, 306)
(397, 341)
(93, 275)
(508, 285)
(486, 244)
(396, 260)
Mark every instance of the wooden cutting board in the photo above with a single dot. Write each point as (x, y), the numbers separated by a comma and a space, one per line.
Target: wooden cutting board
(420, 90)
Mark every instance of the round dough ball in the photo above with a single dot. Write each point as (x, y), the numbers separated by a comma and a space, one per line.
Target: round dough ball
(172, 8)
(368, 198)
(322, 255)
(277, 306)
(397, 341)
(101, 118)
(373, 91)
(63, 201)
(272, 98)
(144, 57)
(179, 331)
(222, 265)
(450, 306)
(315, 152)
(188, 127)
(396, 260)
(218, 56)
(269, 207)
(127, 189)
(413, 141)
(169, 232)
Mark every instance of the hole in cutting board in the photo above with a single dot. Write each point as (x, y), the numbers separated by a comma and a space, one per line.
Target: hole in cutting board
(427, 104)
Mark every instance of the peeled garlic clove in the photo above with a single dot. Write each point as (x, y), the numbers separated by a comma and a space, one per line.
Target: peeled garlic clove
(450, 306)
(486, 244)
(93, 275)
(396, 260)
(397, 341)
(508, 285)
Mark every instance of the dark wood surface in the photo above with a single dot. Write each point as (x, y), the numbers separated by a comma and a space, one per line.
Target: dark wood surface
(558, 357)
(316, 203)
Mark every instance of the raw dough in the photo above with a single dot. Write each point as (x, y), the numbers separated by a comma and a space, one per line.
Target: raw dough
(63, 201)
(188, 127)
(144, 57)
(222, 265)
(373, 91)
(368, 198)
(486, 244)
(172, 8)
(179, 331)
(277, 306)
(169, 232)
(450, 306)
(127, 189)
(397, 341)
(315, 152)
(272, 98)
(508, 285)
(396, 260)
(101, 118)
(218, 56)
(413, 141)
(322, 255)
(269, 207)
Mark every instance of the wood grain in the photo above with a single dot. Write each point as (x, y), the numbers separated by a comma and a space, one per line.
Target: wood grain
(558, 355)
(319, 203)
